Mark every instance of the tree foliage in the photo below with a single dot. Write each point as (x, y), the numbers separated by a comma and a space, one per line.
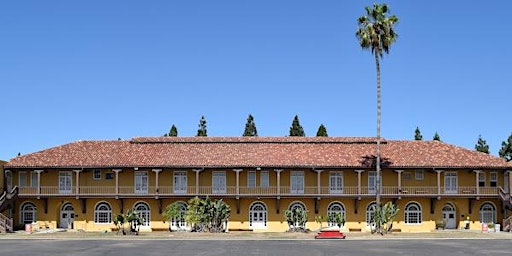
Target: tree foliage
(206, 215)
(506, 149)
(133, 218)
(174, 131)
(250, 127)
(322, 131)
(202, 127)
(173, 212)
(417, 134)
(296, 219)
(481, 145)
(436, 137)
(296, 129)
(383, 218)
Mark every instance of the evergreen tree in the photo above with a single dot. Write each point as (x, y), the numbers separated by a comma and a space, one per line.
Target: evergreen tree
(250, 127)
(296, 129)
(202, 127)
(322, 131)
(436, 137)
(174, 131)
(506, 149)
(417, 134)
(481, 145)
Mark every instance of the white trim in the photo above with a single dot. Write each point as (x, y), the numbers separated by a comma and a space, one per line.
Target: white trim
(407, 211)
(147, 221)
(265, 217)
(95, 213)
(94, 174)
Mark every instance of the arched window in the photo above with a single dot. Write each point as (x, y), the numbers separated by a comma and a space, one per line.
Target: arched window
(334, 208)
(258, 215)
(487, 213)
(179, 223)
(370, 212)
(103, 213)
(297, 204)
(28, 213)
(412, 213)
(144, 213)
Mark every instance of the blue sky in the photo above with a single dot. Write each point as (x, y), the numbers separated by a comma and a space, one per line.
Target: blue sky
(81, 70)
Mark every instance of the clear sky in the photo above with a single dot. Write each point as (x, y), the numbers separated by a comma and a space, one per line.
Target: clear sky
(94, 70)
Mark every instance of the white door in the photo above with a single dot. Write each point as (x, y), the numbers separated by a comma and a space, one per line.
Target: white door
(297, 182)
(449, 216)
(67, 216)
(219, 182)
(65, 182)
(258, 216)
(336, 182)
(372, 182)
(141, 182)
(180, 182)
(450, 183)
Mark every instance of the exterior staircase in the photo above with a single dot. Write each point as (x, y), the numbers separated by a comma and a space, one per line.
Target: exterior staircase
(507, 203)
(7, 200)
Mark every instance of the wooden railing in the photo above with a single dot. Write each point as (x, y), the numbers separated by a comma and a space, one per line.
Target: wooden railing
(6, 224)
(263, 191)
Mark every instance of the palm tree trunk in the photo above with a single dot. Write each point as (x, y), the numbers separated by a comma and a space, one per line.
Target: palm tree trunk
(377, 163)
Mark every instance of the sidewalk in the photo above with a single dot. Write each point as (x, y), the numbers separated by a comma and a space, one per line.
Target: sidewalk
(243, 235)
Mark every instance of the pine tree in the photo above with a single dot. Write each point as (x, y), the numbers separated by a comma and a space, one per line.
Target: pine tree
(296, 129)
(250, 127)
(436, 137)
(174, 131)
(322, 131)
(417, 134)
(506, 149)
(481, 145)
(202, 127)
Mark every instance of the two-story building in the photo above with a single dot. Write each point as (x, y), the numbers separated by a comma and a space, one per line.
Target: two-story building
(84, 184)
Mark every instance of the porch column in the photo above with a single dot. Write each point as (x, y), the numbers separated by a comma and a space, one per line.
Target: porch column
(399, 172)
(439, 181)
(278, 172)
(318, 179)
(197, 171)
(116, 171)
(477, 175)
(157, 171)
(77, 181)
(38, 181)
(359, 181)
(237, 171)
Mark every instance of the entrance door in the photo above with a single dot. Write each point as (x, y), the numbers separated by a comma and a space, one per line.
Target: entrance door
(65, 182)
(450, 183)
(67, 216)
(297, 182)
(449, 216)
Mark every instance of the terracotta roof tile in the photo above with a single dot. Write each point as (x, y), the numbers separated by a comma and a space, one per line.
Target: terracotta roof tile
(234, 152)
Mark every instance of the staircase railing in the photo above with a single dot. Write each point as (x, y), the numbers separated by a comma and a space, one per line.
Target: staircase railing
(505, 197)
(507, 224)
(6, 224)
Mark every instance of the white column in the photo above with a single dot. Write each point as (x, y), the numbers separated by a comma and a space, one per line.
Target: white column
(439, 181)
(278, 172)
(359, 181)
(399, 172)
(237, 171)
(38, 181)
(157, 171)
(197, 179)
(318, 179)
(117, 179)
(477, 174)
(77, 181)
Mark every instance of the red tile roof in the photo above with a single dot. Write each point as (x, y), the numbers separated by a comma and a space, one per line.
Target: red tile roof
(239, 152)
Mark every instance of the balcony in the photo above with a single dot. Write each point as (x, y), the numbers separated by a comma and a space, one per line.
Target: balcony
(351, 191)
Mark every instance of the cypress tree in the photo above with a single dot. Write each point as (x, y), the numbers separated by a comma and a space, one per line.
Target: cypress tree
(296, 129)
(202, 127)
(417, 134)
(481, 145)
(250, 127)
(506, 149)
(436, 137)
(174, 131)
(322, 131)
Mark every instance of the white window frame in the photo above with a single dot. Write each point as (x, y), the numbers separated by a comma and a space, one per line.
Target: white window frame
(28, 213)
(219, 182)
(103, 215)
(144, 212)
(493, 179)
(372, 182)
(297, 182)
(332, 208)
(33, 179)
(258, 215)
(370, 213)
(419, 174)
(65, 182)
(413, 216)
(336, 182)
(264, 179)
(451, 188)
(179, 182)
(481, 179)
(487, 213)
(140, 182)
(96, 174)
(22, 179)
(180, 224)
(251, 179)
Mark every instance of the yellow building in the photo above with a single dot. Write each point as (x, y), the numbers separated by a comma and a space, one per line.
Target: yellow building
(84, 184)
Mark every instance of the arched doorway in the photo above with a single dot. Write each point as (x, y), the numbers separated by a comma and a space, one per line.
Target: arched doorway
(67, 216)
(449, 214)
(258, 215)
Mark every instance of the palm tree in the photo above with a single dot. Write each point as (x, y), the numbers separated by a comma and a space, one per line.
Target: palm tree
(376, 33)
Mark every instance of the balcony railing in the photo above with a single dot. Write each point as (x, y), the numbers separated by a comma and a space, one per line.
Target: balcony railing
(255, 191)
